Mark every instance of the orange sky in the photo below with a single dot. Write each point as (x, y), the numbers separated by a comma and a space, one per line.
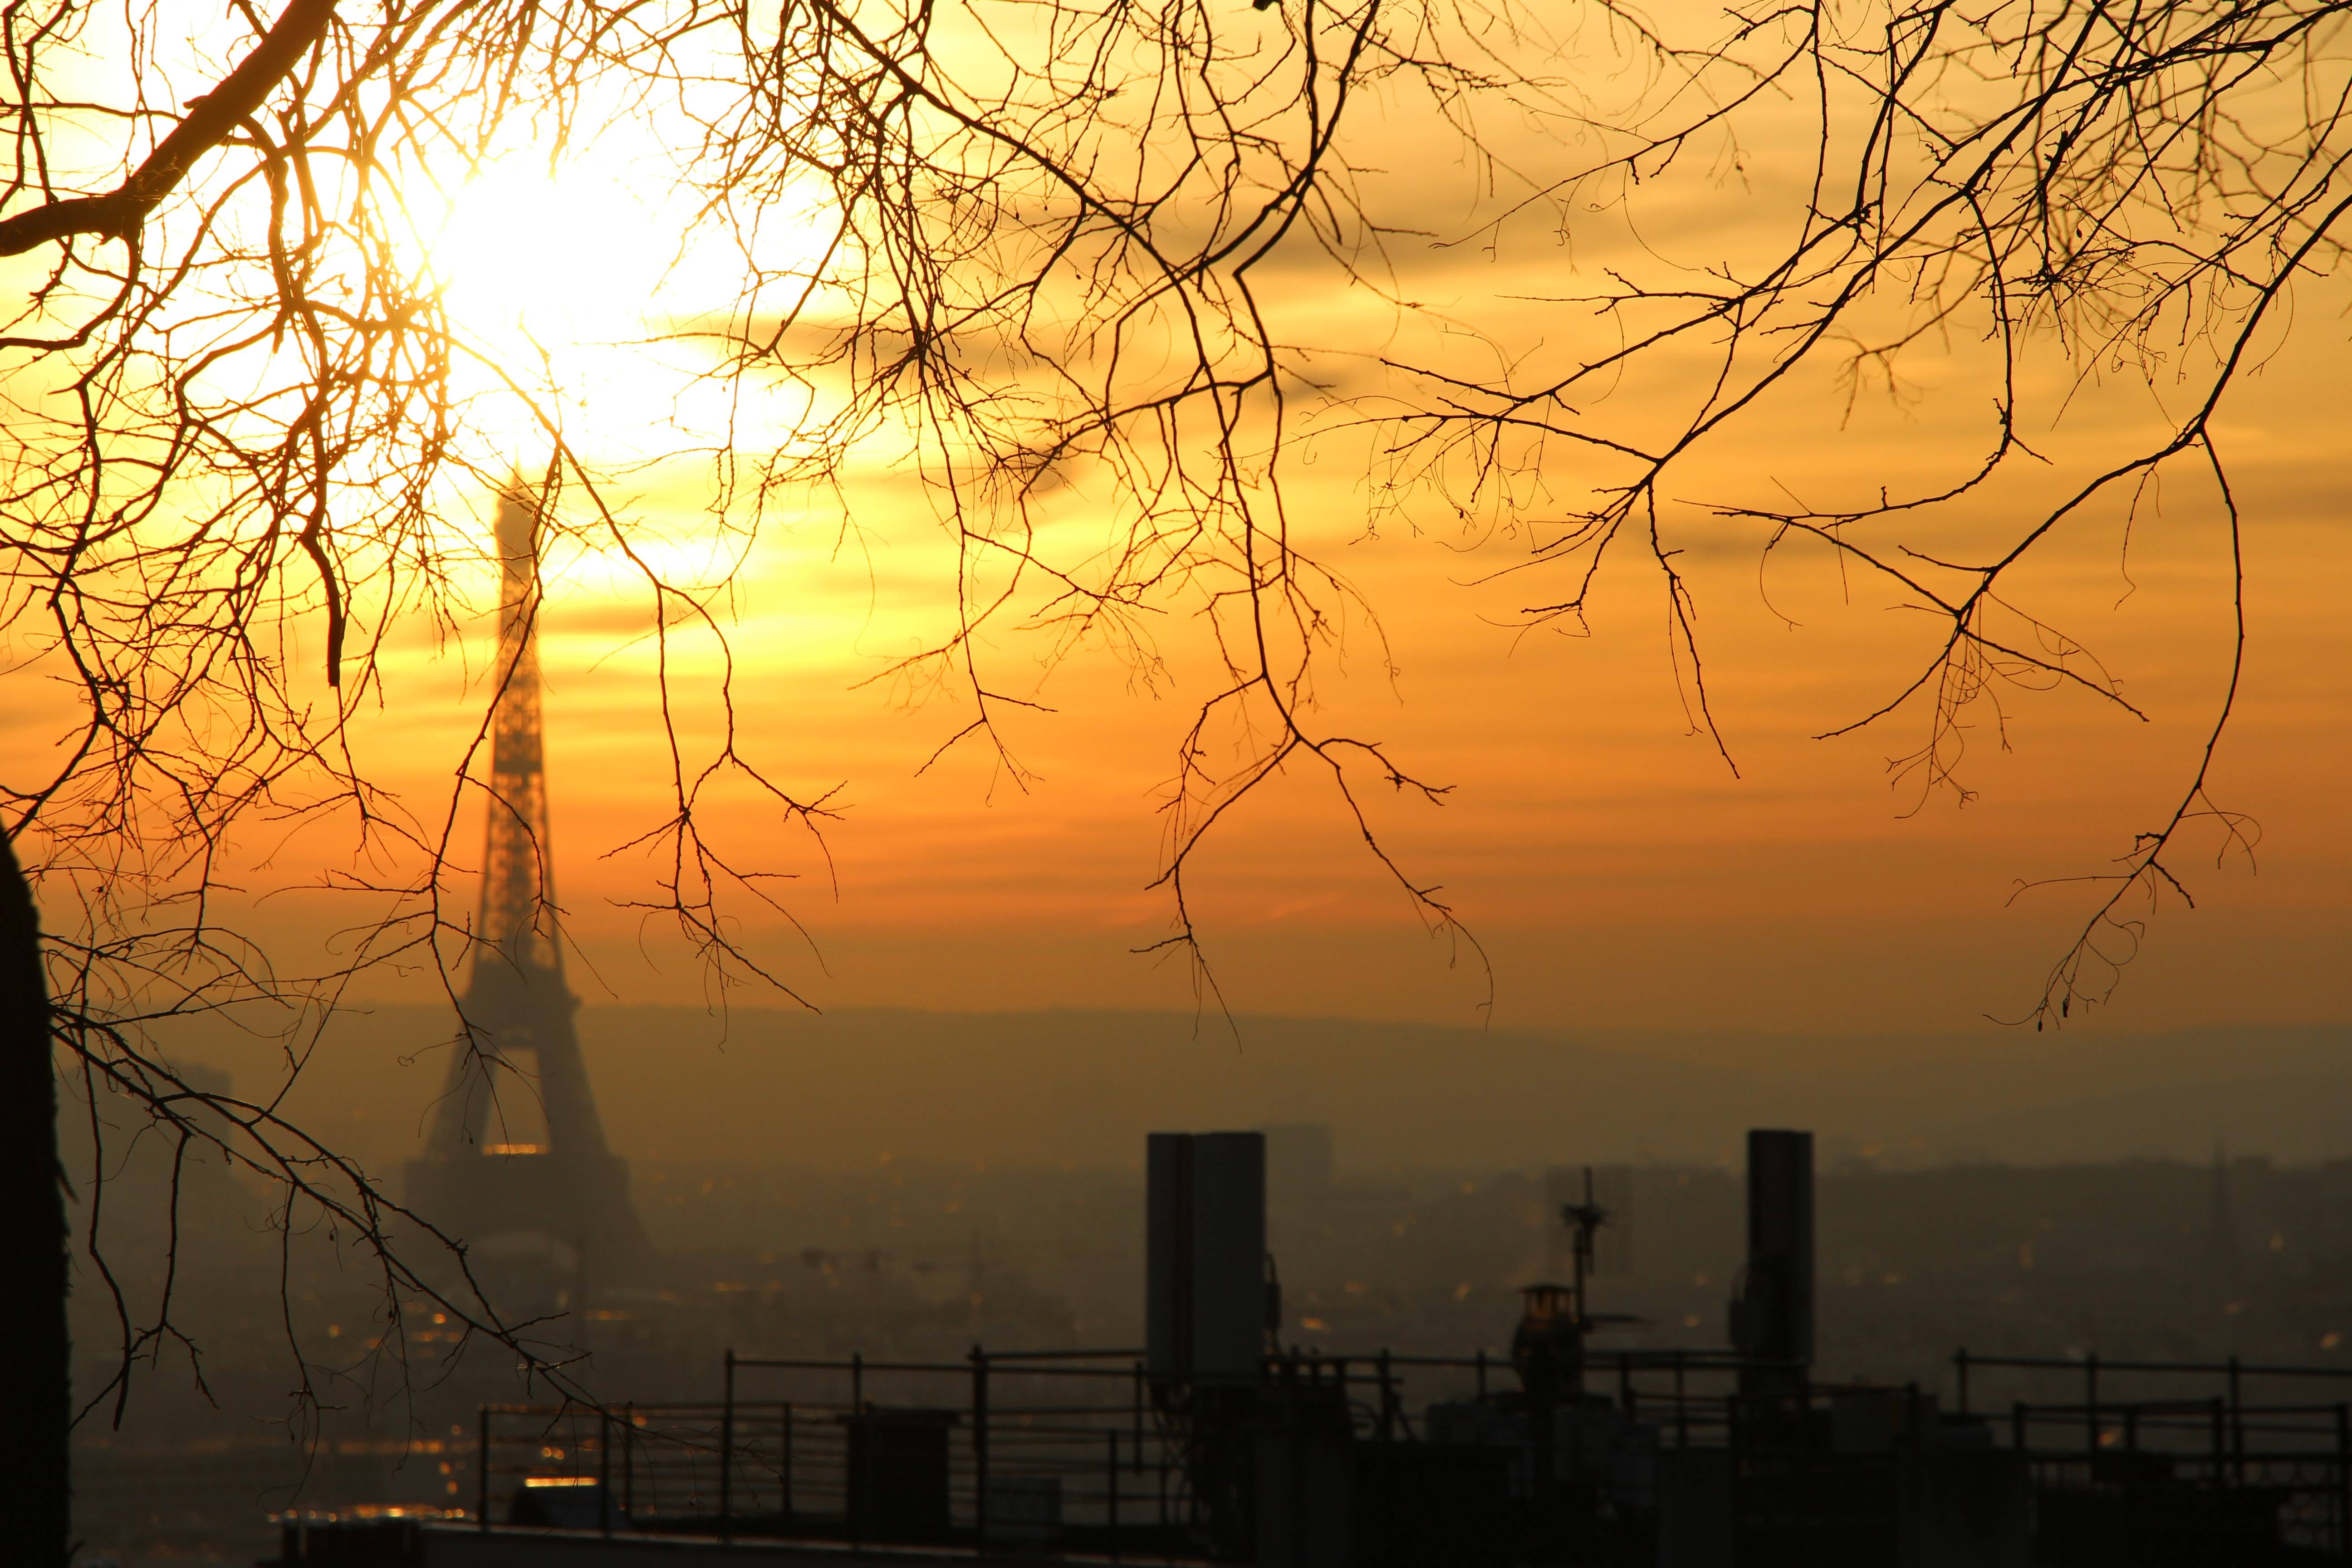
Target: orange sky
(1617, 875)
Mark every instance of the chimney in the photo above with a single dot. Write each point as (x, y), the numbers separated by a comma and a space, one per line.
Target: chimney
(1772, 1315)
(1205, 1285)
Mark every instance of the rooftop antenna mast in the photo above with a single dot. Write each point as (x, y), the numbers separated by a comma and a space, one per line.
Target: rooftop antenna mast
(1586, 1220)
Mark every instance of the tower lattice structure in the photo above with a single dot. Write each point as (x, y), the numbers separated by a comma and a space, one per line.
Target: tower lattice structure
(516, 1145)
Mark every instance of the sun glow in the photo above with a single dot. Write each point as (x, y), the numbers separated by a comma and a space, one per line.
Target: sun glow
(584, 303)
(589, 296)
(561, 284)
(533, 257)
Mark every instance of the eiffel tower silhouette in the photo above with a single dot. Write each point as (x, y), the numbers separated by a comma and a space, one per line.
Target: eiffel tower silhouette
(516, 1145)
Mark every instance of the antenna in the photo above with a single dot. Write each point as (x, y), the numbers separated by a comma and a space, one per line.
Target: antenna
(1586, 1220)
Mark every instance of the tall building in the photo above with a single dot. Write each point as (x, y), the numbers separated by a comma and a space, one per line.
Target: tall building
(516, 1148)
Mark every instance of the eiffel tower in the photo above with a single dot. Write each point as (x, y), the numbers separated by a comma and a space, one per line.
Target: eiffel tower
(516, 1146)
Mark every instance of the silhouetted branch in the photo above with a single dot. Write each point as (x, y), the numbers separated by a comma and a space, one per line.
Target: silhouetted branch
(210, 120)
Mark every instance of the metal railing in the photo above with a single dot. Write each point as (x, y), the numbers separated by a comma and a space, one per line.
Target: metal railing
(1691, 1395)
(2296, 1454)
(1066, 1446)
(1086, 1451)
(1074, 1446)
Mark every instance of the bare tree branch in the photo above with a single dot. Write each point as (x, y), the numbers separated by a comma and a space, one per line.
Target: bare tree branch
(211, 119)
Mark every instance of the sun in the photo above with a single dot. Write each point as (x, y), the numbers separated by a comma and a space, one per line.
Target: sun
(588, 283)
(558, 281)
(562, 258)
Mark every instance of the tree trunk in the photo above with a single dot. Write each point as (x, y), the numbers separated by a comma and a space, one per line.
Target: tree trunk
(35, 1514)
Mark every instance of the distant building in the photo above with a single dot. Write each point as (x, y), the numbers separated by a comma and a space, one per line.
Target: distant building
(515, 1160)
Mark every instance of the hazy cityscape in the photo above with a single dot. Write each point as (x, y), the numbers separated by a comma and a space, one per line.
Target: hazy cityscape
(2162, 1257)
